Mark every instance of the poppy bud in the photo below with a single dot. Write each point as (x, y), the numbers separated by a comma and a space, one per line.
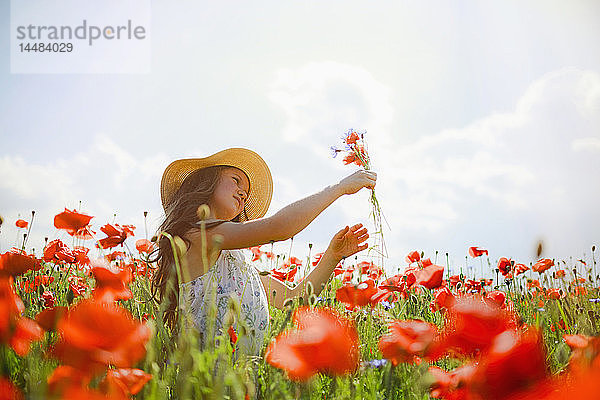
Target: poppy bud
(309, 288)
(1, 220)
(70, 296)
(300, 300)
(145, 214)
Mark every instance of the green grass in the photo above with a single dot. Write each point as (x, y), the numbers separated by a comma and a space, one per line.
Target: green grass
(182, 371)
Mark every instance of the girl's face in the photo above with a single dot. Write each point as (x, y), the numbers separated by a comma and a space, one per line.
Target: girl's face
(229, 197)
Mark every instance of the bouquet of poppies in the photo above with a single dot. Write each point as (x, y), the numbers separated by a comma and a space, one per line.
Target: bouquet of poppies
(355, 149)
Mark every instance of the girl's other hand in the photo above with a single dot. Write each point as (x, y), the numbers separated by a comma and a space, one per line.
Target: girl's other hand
(358, 180)
(348, 241)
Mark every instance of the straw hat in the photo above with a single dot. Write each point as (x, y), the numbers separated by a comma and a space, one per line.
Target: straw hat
(259, 175)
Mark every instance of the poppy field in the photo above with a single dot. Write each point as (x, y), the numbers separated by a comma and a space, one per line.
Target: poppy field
(78, 321)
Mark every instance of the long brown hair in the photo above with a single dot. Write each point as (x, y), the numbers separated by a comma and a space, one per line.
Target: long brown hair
(181, 216)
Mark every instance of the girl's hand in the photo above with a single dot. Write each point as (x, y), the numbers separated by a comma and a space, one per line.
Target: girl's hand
(348, 241)
(358, 180)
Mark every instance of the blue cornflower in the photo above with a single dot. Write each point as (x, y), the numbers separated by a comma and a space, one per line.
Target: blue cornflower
(375, 363)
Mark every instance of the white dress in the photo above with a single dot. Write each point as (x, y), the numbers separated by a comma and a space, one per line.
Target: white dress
(232, 275)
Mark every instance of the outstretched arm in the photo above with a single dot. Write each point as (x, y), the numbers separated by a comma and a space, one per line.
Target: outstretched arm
(291, 219)
(345, 243)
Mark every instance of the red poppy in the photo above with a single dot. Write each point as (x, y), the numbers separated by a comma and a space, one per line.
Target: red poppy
(48, 299)
(284, 275)
(351, 138)
(365, 293)
(533, 283)
(77, 285)
(430, 277)
(476, 252)
(577, 341)
(57, 251)
(256, 253)
(13, 264)
(364, 266)
(496, 297)
(115, 255)
(407, 339)
(399, 282)
(472, 324)
(293, 261)
(504, 265)
(21, 223)
(48, 318)
(443, 298)
(128, 381)
(542, 265)
(94, 335)
(233, 337)
(554, 294)
(8, 390)
(453, 280)
(111, 285)
(322, 342)
(413, 256)
(338, 270)
(515, 362)
(75, 223)
(560, 273)
(116, 235)
(352, 158)
(318, 257)
(452, 385)
(26, 332)
(520, 269)
(375, 272)
(15, 330)
(426, 262)
(144, 246)
(81, 256)
(64, 377)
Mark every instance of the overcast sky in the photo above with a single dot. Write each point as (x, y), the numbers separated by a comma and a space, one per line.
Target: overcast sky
(482, 120)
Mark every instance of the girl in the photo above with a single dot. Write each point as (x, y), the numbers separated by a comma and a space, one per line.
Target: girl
(236, 185)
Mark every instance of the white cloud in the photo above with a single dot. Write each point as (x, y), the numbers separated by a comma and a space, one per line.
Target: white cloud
(105, 177)
(586, 144)
(515, 163)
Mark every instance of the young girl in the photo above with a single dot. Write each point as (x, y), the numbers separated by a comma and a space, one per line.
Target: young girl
(236, 185)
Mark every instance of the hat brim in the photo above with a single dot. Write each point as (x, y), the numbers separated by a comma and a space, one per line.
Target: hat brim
(259, 176)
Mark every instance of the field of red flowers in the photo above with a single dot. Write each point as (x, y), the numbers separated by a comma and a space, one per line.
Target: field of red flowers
(74, 326)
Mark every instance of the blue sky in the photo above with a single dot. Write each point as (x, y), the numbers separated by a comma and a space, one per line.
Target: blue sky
(482, 119)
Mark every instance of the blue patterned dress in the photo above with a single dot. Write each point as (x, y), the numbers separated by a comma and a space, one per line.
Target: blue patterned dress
(233, 276)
